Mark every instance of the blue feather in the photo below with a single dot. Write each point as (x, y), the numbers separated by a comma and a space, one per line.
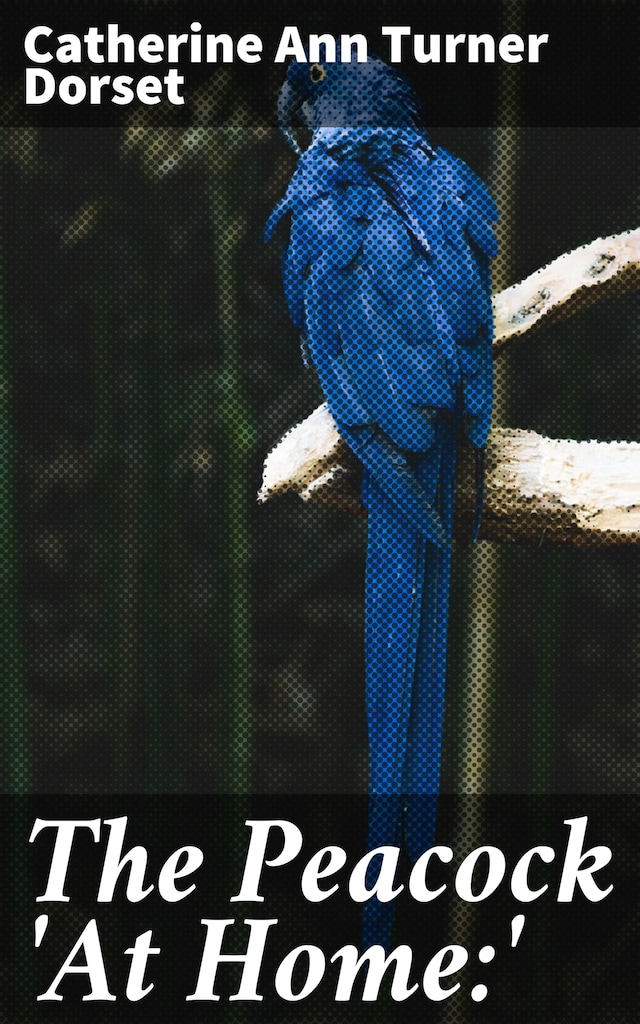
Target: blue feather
(387, 273)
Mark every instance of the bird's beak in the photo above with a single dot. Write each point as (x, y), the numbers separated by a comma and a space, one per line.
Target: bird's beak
(289, 104)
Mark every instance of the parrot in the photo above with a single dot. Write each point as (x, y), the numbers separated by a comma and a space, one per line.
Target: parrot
(386, 273)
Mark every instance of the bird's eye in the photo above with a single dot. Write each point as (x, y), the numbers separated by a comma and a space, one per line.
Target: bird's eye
(317, 73)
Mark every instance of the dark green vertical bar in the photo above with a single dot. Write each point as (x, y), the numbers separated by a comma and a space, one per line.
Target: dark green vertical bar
(134, 397)
(116, 592)
(231, 542)
(164, 695)
(231, 532)
(555, 572)
(147, 375)
(15, 746)
(547, 648)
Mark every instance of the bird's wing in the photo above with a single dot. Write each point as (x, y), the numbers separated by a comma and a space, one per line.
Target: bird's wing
(386, 270)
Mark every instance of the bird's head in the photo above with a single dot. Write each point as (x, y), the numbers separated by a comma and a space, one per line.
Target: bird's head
(333, 94)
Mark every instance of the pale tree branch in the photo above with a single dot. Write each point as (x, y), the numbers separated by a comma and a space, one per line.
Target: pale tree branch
(571, 491)
(567, 284)
(537, 488)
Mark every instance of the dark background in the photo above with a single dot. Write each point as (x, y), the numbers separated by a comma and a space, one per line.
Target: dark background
(166, 632)
(161, 632)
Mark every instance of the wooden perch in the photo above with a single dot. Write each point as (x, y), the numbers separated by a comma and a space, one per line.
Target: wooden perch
(571, 491)
(537, 488)
(568, 284)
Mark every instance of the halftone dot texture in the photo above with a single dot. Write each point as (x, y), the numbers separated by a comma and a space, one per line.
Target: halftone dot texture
(161, 633)
(386, 274)
(136, 649)
(167, 633)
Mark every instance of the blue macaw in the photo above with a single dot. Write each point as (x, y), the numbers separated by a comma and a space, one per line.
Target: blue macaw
(386, 274)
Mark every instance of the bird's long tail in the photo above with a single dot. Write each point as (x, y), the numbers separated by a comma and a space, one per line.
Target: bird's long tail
(407, 598)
